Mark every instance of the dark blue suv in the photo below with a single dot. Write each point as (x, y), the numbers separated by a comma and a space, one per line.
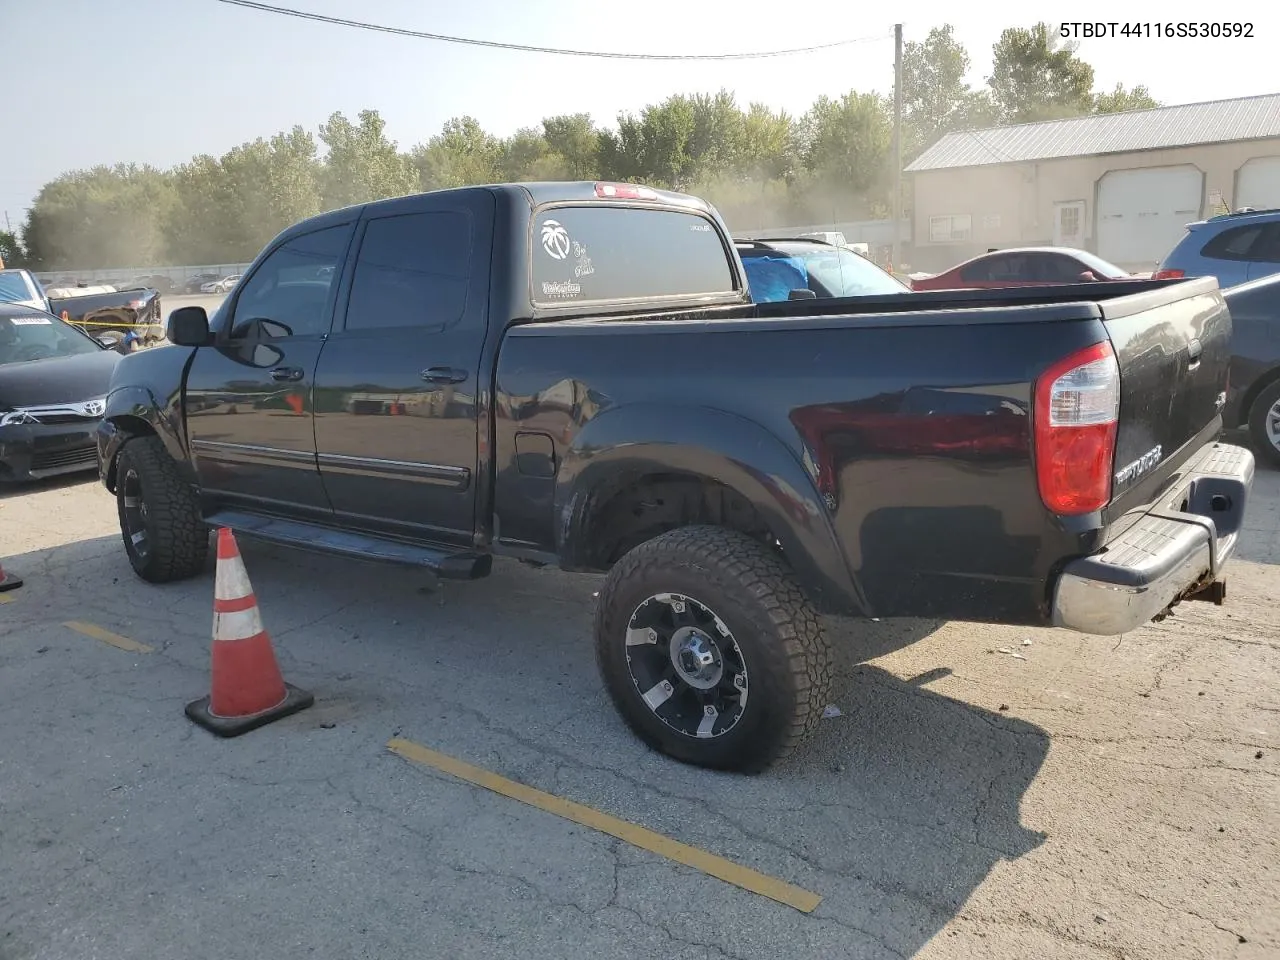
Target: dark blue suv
(1234, 247)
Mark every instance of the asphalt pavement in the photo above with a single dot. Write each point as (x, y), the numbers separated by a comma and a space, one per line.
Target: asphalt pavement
(983, 792)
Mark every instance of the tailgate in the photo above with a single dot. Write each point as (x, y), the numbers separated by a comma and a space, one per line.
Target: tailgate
(1173, 345)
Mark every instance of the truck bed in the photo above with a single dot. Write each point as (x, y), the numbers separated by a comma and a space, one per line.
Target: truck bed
(910, 415)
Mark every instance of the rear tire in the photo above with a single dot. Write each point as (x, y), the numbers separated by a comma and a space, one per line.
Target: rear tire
(738, 623)
(160, 521)
(1264, 426)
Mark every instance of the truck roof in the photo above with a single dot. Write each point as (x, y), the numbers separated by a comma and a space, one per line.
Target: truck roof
(535, 193)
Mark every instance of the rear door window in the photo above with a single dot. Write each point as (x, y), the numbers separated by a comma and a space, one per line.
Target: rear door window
(1266, 249)
(412, 271)
(1234, 244)
(979, 272)
(1055, 268)
(603, 252)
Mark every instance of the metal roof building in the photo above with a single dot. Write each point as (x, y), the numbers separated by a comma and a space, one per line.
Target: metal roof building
(1123, 185)
(1215, 121)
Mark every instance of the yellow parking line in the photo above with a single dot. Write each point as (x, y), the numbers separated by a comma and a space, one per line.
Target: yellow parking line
(6, 598)
(106, 636)
(637, 836)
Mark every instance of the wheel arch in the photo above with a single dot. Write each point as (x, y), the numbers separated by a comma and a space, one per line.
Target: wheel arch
(684, 466)
(133, 412)
(1251, 394)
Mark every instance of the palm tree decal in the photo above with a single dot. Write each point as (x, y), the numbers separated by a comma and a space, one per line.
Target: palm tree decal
(555, 239)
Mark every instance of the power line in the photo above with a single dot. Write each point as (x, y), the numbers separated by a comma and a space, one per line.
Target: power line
(525, 48)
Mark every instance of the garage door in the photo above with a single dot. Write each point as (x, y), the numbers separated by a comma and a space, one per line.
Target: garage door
(1143, 213)
(1258, 184)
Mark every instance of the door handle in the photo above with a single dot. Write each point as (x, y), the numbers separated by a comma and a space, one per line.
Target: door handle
(1194, 349)
(444, 375)
(286, 373)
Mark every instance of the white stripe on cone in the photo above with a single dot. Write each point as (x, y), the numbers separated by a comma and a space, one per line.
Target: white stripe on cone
(231, 581)
(240, 625)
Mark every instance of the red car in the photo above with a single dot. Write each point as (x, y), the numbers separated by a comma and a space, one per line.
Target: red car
(1024, 267)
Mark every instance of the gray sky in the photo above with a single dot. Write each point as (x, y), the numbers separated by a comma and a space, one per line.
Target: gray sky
(158, 81)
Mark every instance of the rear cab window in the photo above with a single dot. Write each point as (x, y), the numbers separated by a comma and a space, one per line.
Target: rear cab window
(609, 252)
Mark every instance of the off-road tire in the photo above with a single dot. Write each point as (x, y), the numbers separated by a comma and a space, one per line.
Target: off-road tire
(1258, 424)
(177, 539)
(788, 657)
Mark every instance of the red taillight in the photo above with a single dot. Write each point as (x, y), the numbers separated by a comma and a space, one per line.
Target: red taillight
(1077, 414)
(1168, 275)
(624, 191)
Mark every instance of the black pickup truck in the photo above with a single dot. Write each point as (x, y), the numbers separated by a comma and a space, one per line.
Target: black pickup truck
(575, 374)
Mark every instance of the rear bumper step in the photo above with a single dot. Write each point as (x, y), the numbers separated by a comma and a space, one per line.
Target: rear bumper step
(1176, 551)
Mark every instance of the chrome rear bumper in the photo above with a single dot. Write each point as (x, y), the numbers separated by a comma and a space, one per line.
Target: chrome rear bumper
(1178, 548)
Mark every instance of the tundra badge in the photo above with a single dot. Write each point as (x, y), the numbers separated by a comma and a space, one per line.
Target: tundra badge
(1140, 466)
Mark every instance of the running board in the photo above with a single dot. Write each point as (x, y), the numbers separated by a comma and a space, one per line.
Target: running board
(444, 563)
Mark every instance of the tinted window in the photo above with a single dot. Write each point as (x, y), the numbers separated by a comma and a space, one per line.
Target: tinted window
(621, 253)
(412, 271)
(1233, 244)
(292, 285)
(1055, 268)
(979, 272)
(1267, 248)
(38, 336)
(1010, 269)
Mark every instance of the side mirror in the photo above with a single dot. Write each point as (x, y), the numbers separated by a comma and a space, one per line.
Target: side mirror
(188, 327)
(803, 294)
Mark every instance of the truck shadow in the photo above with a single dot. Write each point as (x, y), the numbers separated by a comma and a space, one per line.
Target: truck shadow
(895, 812)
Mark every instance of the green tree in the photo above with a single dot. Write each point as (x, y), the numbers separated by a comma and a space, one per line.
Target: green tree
(936, 99)
(676, 142)
(1035, 77)
(652, 147)
(574, 138)
(847, 147)
(106, 216)
(362, 164)
(1119, 100)
(12, 253)
(460, 155)
(205, 225)
(769, 145)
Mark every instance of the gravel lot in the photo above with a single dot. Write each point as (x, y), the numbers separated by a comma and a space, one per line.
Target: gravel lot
(1090, 798)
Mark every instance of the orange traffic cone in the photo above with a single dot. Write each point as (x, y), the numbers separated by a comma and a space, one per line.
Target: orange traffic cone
(8, 581)
(248, 690)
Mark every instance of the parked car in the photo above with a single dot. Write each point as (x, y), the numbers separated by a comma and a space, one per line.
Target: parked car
(1021, 267)
(22, 287)
(157, 281)
(101, 309)
(576, 374)
(220, 286)
(1235, 248)
(53, 387)
(1253, 398)
(194, 284)
(786, 268)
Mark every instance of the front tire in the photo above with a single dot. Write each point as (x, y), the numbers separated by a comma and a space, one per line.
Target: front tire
(1264, 424)
(160, 522)
(710, 650)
